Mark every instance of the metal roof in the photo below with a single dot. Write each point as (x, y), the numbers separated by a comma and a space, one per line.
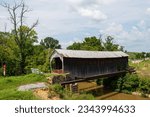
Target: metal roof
(89, 54)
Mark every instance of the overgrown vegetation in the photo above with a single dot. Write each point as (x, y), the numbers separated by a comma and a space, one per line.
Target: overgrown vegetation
(132, 83)
(67, 95)
(142, 68)
(9, 85)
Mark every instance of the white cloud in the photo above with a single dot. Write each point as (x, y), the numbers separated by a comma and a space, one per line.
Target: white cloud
(93, 14)
(66, 44)
(148, 11)
(113, 28)
(91, 2)
(132, 38)
(90, 8)
(105, 1)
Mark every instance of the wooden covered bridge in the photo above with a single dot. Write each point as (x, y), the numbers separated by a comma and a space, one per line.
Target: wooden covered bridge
(86, 65)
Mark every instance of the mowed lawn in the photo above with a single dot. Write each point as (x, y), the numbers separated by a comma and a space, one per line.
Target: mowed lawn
(9, 85)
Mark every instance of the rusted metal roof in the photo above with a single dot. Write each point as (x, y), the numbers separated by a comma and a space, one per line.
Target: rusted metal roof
(89, 54)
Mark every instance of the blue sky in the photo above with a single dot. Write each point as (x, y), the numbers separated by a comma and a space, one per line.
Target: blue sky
(128, 21)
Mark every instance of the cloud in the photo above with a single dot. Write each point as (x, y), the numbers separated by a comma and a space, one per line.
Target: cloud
(135, 39)
(66, 44)
(90, 9)
(113, 29)
(106, 2)
(148, 11)
(93, 14)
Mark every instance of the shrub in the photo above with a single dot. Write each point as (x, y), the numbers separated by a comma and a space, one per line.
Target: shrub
(131, 82)
(57, 88)
(99, 81)
(67, 95)
(145, 86)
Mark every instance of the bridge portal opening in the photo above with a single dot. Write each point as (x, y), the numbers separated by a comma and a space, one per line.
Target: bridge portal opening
(57, 65)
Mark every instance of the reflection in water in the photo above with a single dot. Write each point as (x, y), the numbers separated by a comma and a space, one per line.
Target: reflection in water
(107, 94)
(102, 93)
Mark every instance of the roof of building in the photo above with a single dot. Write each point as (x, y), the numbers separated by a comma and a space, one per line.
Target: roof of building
(89, 54)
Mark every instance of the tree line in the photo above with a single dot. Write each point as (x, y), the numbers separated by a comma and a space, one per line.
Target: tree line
(96, 44)
(35, 56)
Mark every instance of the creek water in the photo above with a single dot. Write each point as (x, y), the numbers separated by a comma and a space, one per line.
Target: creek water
(107, 94)
(101, 93)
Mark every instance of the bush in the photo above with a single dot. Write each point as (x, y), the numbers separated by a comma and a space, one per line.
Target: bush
(57, 88)
(130, 82)
(145, 86)
(67, 95)
(99, 81)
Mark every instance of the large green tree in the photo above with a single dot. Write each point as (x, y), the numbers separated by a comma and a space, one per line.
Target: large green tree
(109, 44)
(75, 46)
(92, 43)
(50, 42)
(24, 36)
(96, 44)
(89, 43)
(8, 53)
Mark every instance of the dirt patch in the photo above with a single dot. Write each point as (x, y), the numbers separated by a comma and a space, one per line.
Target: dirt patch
(44, 94)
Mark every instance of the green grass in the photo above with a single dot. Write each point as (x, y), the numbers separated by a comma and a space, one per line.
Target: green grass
(142, 68)
(9, 85)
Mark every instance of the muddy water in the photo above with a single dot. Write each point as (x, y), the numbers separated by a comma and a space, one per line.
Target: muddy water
(106, 94)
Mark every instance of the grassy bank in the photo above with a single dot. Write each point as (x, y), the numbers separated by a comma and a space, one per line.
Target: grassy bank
(142, 68)
(64, 94)
(9, 85)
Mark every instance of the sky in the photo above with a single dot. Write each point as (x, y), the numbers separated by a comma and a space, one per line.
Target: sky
(68, 21)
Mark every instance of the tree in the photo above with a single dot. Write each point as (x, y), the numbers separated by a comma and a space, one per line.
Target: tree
(96, 44)
(110, 46)
(21, 33)
(8, 53)
(147, 54)
(89, 43)
(92, 43)
(50, 42)
(75, 46)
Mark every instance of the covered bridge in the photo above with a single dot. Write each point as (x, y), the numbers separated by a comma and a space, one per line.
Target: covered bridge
(89, 64)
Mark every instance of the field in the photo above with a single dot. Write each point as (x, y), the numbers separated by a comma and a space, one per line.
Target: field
(142, 68)
(9, 85)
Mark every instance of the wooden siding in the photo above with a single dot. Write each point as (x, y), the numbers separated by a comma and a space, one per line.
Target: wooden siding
(83, 68)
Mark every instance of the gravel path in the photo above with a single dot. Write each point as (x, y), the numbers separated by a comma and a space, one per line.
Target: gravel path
(32, 86)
